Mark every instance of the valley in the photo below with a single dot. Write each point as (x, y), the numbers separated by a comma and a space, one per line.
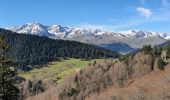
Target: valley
(70, 70)
(85, 50)
(134, 77)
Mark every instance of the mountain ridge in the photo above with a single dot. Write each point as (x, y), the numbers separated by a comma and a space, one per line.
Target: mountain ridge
(54, 30)
(135, 39)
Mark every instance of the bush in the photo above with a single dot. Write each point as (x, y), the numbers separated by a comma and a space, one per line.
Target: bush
(113, 98)
(89, 64)
(147, 49)
(161, 64)
(120, 82)
(71, 92)
(60, 96)
(35, 87)
(94, 63)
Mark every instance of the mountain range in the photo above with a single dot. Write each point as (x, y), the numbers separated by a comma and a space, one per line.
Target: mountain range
(122, 42)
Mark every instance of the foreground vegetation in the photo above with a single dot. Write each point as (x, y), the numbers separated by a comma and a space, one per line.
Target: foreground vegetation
(8, 89)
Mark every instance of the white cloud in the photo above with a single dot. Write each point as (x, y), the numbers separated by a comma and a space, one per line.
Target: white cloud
(144, 11)
(129, 22)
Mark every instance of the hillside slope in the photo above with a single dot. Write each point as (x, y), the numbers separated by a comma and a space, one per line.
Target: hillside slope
(136, 78)
(32, 49)
(119, 47)
(153, 86)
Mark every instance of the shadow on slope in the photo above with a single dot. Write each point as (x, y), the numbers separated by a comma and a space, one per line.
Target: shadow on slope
(119, 47)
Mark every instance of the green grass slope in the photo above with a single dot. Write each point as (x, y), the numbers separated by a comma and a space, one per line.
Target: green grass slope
(56, 70)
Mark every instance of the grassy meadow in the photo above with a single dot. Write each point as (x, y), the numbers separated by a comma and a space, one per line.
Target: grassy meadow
(57, 70)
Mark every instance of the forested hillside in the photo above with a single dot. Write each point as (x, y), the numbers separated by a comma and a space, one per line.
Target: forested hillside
(33, 50)
(142, 76)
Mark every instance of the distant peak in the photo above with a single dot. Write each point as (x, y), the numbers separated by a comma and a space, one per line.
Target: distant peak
(32, 23)
(62, 31)
(56, 26)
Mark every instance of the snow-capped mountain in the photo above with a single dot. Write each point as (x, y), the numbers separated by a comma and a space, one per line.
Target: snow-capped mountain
(32, 28)
(165, 36)
(133, 38)
(139, 33)
(57, 31)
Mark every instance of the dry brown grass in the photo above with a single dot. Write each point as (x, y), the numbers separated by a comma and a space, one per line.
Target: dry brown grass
(107, 81)
(153, 86)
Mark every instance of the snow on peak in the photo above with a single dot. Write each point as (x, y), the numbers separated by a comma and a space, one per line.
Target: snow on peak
(139, 33)
(32, 23)
(57, 31)
(165, 36)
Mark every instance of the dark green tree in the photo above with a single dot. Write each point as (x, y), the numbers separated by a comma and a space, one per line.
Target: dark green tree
(160, 50)
(168, 50)
(35, 87)
(161, 64)
(8, 90)
(147, 49)
(155, 51)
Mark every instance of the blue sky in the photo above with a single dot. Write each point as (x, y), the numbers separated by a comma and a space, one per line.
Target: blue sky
(116, 15)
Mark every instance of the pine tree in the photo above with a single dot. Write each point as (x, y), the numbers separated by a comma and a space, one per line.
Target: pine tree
(161, 64)
(8, 90)
(147, 49)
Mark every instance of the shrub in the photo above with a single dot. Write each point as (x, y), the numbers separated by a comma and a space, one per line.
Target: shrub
(35, 87)
(60, 96)
(94, 63)
(30, 85)
(71, 92)
(147, 49)
(76, 79)
(120, 81)
(89, 64)
(161, 64)
(113, 97)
